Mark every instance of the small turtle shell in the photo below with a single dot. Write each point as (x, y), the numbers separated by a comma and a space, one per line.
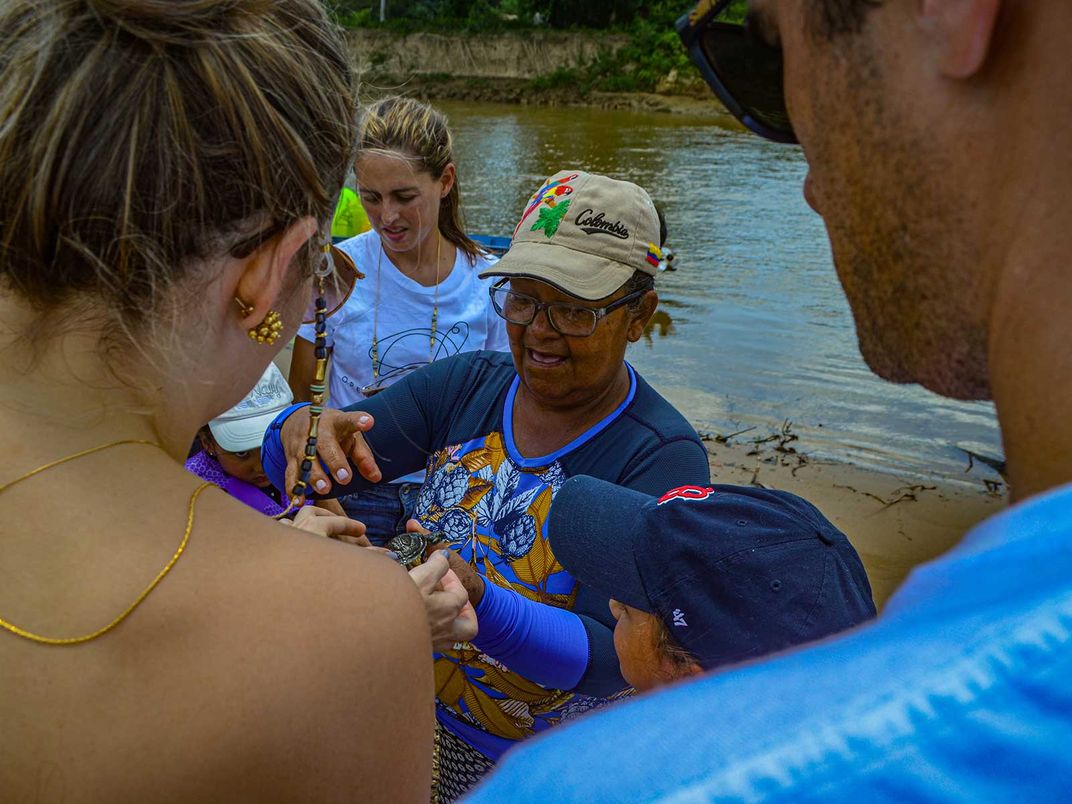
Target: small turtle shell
(410, 547)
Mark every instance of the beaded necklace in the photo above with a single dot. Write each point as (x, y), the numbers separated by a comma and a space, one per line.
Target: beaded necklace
(375, 353)
(47, 640)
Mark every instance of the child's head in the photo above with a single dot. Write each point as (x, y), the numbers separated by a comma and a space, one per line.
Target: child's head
(707, 576)
(648, 655)
(234, 438)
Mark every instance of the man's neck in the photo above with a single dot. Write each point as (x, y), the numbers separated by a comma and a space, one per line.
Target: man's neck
(1030, 358)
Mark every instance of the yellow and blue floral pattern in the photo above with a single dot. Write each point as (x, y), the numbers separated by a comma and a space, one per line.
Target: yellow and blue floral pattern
(495, 514)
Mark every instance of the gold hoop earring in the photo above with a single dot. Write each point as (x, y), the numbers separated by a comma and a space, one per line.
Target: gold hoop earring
(266, 332)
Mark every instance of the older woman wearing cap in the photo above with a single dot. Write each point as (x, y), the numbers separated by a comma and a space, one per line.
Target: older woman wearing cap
(499, 435)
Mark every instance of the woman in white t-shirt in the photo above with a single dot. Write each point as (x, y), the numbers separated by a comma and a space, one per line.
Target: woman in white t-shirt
(421, 298)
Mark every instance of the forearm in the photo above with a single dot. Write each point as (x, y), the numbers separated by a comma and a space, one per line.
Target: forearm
(545, 644)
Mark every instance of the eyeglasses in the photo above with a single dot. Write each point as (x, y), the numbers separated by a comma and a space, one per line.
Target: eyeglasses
(744, 71)
(335, 276)
(565, 319)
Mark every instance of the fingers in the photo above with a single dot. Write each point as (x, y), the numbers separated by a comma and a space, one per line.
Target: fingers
(331, 505)
(452, 583)
(462, 626)
(325, 523)
(339, 438)
(428, 574)
(360, 453)
(292, 435)
(413, 526)
(465, 624)
(339, 444)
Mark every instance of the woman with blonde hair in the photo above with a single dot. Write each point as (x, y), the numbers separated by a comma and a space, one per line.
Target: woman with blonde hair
(169, 171)
(422, 298)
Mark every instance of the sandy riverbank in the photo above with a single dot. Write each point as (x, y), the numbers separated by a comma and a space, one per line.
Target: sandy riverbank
(519, 92)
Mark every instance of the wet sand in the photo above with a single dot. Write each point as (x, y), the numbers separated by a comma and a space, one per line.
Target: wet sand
(894, 523)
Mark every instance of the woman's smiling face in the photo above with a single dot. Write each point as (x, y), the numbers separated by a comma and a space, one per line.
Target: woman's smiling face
(402, 201)
(565, 371)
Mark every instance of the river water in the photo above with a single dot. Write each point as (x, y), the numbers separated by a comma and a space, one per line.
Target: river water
(753, 328)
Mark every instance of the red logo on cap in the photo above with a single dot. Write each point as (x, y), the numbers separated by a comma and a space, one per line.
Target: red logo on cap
(687, 493)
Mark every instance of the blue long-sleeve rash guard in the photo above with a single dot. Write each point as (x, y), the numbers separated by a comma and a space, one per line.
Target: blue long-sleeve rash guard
(541, 633)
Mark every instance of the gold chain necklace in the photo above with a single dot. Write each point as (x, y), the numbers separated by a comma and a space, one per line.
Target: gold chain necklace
(376, 311)
(45, 640)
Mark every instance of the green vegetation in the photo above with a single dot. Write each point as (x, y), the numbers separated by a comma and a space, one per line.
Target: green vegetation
(652, 54)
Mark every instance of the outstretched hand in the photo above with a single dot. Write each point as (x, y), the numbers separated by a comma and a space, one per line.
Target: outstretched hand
(339, 442)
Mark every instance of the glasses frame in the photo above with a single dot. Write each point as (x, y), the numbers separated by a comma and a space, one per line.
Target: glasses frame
(538, 306)
(690, 29)
(337, 257)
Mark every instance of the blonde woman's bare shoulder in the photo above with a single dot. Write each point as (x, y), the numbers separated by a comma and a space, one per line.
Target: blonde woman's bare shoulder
(268, 665)
(333, 639)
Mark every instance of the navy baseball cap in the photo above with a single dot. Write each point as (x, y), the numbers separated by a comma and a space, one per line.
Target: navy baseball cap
(733, 572)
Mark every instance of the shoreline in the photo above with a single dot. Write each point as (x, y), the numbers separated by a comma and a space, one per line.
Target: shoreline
(517, 92)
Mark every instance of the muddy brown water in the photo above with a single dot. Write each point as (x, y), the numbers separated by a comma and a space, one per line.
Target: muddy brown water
(753, 328)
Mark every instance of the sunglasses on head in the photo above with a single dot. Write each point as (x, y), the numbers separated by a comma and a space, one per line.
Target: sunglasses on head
(743, 71)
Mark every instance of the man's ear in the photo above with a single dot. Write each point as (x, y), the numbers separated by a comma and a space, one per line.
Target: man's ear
(264, 272)
(639, 321)
(693, 669)
(962, 31)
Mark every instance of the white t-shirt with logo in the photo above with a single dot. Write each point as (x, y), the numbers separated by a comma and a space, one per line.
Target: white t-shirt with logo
(466, 321)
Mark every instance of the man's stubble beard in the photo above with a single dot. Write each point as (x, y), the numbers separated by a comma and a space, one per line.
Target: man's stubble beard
(902, 240)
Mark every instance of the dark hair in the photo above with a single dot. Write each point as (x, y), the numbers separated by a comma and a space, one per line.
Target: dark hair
(140, 136)
(666, 648)
(419, 132)
(834, 17)
(638, 281)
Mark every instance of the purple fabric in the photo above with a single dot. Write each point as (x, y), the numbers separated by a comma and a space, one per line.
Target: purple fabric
(208, 468)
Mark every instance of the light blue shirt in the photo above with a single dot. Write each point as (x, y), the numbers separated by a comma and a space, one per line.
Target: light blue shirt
(961, 689)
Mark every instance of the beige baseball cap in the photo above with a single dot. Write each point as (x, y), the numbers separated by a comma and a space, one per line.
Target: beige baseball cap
(585, 234)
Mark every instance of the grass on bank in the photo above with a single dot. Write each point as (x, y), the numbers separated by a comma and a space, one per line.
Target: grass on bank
(653, 57)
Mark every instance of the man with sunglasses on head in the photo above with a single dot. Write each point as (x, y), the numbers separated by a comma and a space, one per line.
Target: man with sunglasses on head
(936, 136)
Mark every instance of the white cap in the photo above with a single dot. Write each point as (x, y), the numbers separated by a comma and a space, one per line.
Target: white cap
(242, 428)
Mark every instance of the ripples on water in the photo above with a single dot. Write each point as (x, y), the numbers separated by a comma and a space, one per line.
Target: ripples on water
(758, 330)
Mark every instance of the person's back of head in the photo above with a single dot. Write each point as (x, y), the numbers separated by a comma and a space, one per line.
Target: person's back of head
(142, 137)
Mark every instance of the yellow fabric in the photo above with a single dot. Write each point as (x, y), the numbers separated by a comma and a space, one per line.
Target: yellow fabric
(350, 217)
